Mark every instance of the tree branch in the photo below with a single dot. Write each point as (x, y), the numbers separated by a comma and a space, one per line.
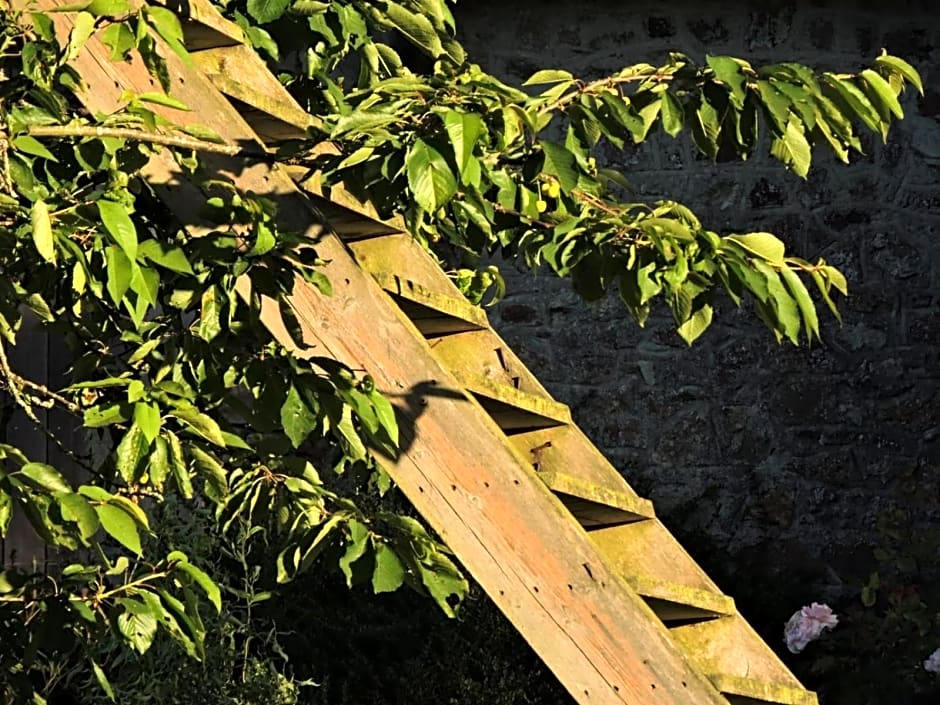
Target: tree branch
(129, 133)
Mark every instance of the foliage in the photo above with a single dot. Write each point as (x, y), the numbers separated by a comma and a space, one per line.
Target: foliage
(184, 396)
(888, 629)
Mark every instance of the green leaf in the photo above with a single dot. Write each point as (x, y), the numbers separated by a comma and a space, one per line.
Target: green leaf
(211, 471)
(130, 451)
(202, 424)
(855, 100)
(792, 149)
(170, 30)
(430, 179)
(119, 38)
(881, 94)
(356, 544)
(389, 573)
(102, 680)
(46, 477)
(162, 99)
(159, 466)
(98, 416)
(297, 418)
(78, 510)
(764, 245)
(548, 76)
(803, 301)
(728, 71)
(347, 431)
(147, 417)
(119, 226)
(108, 8)
(202, 579)
(30, 145)
(210, 324)
(672, 114)
(42, 231)
(83, 26)
(137, 624)
(893, 63)
(697, 323)
(386, 415)
(416, 27)
(776, 103)
(6, 513)
(120, 526)
(178, 466)
(167, 256)
(560, 163)
(463, 129)
(265, 11)
(707, 128)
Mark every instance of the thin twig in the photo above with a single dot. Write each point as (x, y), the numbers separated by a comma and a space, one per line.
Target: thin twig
(129, 133)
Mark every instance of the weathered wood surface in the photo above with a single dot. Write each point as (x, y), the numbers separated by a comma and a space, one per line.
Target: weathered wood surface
(434, 314)
(457, 468)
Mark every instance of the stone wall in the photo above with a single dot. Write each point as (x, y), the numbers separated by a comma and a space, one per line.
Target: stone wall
(772, 463)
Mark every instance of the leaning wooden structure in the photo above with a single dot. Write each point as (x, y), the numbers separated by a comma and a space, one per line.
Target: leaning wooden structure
(562, 544)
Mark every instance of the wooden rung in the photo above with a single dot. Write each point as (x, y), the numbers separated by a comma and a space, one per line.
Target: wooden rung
(594, 505)
(565, 453)
(239, 73)
(203, 26)
(646, 550)
(432, 313)
(749, 691)
(512, 408)
(672, 602)
(350, 218)
(483, 354)
(740, 662)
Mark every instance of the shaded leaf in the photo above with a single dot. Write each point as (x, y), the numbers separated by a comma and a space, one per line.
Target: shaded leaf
(42, 231)
(120, 526)
(429, 177)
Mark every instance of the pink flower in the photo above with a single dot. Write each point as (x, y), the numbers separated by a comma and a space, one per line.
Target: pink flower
(932, 663)
(808, 625)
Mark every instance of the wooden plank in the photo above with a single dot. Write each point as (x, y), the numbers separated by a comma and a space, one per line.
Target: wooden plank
(433, 313)
(238, 72)
(593, 505)
(402, 253)
(203, 26)
(673, 602)
(748, 691)
(512, 408)
(351, 218)
(739, 663)
(569, 451)
(482, 354)
(647, 549)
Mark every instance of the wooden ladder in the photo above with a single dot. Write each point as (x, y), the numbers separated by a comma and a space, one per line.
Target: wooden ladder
(558, 539)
